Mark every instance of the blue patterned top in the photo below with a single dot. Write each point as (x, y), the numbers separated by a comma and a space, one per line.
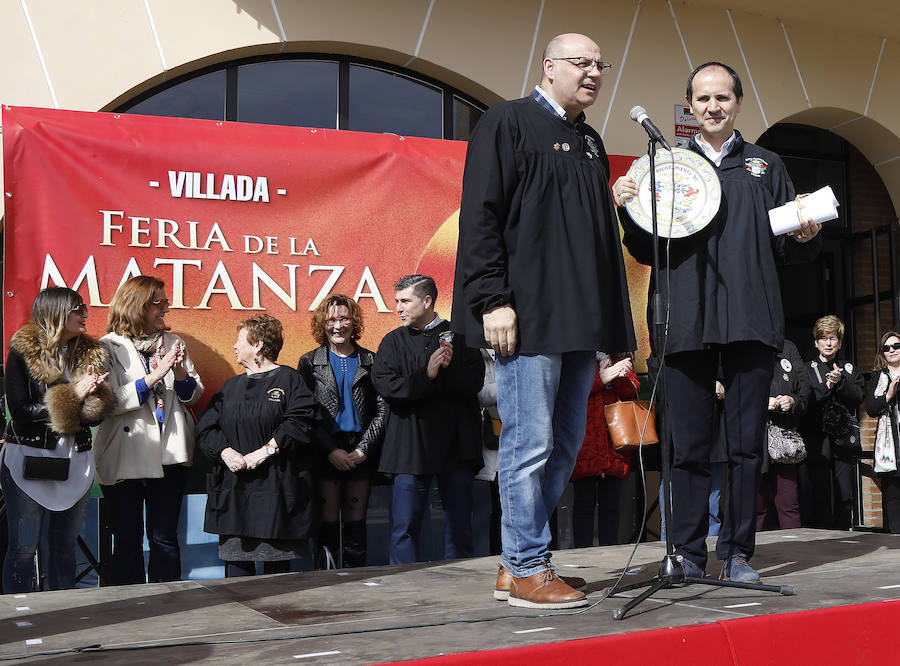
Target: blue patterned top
(344, 368)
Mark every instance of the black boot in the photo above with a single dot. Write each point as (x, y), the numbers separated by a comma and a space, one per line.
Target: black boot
(355, 543)
(328, 548)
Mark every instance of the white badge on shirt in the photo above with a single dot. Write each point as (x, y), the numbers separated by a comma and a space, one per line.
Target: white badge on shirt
(786, 365)
(849, 368)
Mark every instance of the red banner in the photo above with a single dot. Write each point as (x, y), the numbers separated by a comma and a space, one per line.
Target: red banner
(235, 218)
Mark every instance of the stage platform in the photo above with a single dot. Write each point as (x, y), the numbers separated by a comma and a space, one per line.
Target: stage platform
(384, 614)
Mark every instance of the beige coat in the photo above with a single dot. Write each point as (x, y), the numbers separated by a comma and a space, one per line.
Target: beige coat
(128, 444)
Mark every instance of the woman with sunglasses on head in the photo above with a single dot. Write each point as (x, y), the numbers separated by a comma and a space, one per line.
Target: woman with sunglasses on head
(350, 435)
(55, 390)
(143, 453)
(882, 403)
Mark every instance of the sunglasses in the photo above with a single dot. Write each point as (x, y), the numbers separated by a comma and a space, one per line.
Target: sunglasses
(891, 347)
(80, 309)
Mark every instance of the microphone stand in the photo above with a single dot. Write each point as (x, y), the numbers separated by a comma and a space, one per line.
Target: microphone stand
(671, 571)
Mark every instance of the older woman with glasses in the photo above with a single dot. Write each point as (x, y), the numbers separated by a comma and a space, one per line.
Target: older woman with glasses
(350, 435)
(882, 403)
(831, 429)
(143, 454)
(256, 432)
(55, 390)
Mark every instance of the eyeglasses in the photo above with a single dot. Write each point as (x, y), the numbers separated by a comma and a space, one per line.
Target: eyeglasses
(894, 346)
(343, 321)
(165, 302)
(829, 338)
(586, 64)
(80, 309)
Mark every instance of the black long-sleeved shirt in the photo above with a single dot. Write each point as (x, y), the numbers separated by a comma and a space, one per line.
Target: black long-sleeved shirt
(537, 231)
(724, 283)
(434, 424)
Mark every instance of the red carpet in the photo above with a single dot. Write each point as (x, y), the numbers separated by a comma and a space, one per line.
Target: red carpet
(859, 634)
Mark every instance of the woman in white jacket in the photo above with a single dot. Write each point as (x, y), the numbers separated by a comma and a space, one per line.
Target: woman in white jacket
(142, 453)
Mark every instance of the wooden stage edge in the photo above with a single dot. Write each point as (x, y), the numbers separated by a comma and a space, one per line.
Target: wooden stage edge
(385, 614)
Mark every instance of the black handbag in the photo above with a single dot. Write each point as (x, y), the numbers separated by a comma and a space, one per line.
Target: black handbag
(842, 427)
(39, 468)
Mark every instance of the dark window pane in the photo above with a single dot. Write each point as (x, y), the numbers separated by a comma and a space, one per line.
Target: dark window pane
(791, 138)
(808, 175)
(464, 118)
(384, 102)
(301, 93)
(202, 97)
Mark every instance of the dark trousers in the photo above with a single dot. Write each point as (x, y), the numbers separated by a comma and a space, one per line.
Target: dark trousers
(596, 495)
(496, 513)
(126, 502)
(408, 503)
(890, 490)
(832, 493)
(779, 485)
(690, 389)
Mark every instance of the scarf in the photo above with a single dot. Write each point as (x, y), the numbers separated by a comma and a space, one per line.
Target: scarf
(150, 348)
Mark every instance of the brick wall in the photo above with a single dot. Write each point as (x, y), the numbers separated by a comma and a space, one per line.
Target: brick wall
(870, 207)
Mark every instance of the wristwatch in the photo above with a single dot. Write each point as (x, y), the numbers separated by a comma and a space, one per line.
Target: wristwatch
(271, 449)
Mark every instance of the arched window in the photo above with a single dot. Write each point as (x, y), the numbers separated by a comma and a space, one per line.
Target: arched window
(316, 90)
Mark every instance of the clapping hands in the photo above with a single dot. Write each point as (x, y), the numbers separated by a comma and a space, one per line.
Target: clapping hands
(611, 371)
(89, 383)
(834, 376)
(439, 359)
(172, 360)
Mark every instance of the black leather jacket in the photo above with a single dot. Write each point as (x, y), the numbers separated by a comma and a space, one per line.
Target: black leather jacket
(316, 371)
(42, 403)
(30, 425)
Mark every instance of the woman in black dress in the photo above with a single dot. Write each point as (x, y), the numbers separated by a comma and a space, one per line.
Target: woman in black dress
(257, 432)
(349, 437)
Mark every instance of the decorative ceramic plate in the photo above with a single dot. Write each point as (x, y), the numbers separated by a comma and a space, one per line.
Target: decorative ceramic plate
(696, 188)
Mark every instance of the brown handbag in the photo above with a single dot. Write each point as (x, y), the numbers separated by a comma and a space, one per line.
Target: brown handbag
(625, 419)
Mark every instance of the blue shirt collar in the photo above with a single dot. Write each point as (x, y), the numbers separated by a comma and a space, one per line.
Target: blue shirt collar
(542, 98)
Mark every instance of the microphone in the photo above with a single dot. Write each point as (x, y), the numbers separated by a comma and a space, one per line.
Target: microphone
(639, 115)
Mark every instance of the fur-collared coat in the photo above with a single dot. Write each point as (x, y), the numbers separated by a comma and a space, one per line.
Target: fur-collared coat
(43, 404)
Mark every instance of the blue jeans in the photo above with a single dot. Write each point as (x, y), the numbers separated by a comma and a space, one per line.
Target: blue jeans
(125, 501)
(26, 520)
(715, 493)
(542, 401)
(408, 502)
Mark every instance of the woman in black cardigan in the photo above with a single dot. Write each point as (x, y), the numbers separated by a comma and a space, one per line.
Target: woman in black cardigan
(351, 431)
(830, 429)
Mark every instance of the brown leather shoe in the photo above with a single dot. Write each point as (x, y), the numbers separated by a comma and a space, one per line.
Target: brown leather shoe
(505, 578)
(544, 590)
